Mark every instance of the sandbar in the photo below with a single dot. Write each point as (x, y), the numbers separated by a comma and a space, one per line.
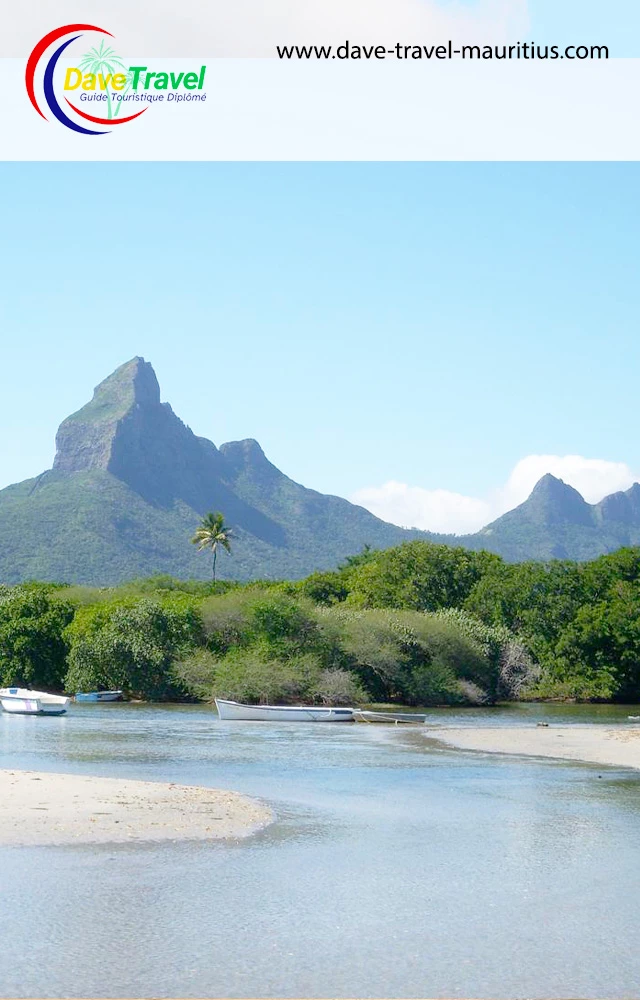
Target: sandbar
(592, 744)
(41, 808)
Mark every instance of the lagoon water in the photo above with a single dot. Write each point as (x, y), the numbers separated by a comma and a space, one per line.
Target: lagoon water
(395, 867)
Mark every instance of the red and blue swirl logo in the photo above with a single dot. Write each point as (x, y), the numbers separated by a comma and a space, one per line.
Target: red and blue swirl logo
(101, 60)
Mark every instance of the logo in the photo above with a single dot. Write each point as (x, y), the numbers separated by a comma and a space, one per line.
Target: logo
(101, 80)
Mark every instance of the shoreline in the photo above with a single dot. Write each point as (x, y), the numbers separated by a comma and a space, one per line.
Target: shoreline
(588, 744)
(39, 808)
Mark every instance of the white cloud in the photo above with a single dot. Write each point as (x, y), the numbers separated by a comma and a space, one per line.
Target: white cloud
(444, 511)
(594, 478)
(253, 27)
(414, 507)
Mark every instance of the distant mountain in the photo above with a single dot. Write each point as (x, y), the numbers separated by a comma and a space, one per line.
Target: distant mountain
(130, 482)
(556, 523)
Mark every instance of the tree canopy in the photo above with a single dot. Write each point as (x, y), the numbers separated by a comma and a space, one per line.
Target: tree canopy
(418, 624)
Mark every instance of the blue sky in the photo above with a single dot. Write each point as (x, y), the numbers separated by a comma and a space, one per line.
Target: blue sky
(426, 324)
(610, 22)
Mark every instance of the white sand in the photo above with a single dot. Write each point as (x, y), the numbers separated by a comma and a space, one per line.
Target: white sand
(41, 808)
(596, 744)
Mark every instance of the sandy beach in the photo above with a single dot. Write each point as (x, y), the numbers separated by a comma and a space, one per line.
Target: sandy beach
(41, 808)
(595, 744)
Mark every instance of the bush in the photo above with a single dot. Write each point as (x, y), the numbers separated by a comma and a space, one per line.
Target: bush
(164, 583)
(132, 645)
(339, 687)
(412, 658)
(248, 675)
(33, 647)
(324, 588)
(226, 621)
(450, 657)
(509, 655)
(417, 576)
(195, 673)
(472, 694)
(374, 651)
(282, 626)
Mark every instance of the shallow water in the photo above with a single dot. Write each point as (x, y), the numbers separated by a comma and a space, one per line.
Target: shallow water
(396, 868)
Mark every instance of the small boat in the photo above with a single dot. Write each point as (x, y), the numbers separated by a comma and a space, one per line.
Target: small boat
(228, 710)
(399, 718)
(99, 696)
(24, 701)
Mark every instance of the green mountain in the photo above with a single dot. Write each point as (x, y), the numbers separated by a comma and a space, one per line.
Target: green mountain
(556, 523)
(130, 482)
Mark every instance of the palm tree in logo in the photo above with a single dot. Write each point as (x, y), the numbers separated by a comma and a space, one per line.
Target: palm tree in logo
(102, 59)
(125, 90)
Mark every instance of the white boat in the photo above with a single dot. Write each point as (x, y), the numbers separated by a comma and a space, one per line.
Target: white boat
(24, 701)
(404, 718)
(99, 696)
(228, 710)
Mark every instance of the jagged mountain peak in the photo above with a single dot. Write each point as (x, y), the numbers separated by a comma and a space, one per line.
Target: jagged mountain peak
(136, 376)
(132, 383)
(550, 487)
(245, 454)
(126, 431)
(85, 439)
(552, 496)
(622, 507)
(634, 492)
(551, 502)
(146, 389)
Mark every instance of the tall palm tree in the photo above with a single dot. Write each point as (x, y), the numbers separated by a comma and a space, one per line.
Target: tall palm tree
(212, 532)
(102, 60)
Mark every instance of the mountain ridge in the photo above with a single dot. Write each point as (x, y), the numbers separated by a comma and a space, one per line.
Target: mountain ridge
(573, 528)
(130, 482)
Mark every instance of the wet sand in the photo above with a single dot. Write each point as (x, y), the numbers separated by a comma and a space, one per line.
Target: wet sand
(594, 744)
(41, 808)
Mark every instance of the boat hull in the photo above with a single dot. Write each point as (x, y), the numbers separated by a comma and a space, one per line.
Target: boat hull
(235, 711)
(21, 701)
(95, 696)
(398, 718)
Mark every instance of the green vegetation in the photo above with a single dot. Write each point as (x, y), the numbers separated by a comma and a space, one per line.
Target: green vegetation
(132, 644)
(421, 624)
(33, 645)
(211, 533)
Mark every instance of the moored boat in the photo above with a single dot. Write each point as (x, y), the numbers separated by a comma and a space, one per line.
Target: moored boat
(99, 696)
(404, 718)
(234, 710)
(24, 701)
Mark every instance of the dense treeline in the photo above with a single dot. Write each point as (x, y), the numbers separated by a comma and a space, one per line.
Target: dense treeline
(420, 624)
(580, 622)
